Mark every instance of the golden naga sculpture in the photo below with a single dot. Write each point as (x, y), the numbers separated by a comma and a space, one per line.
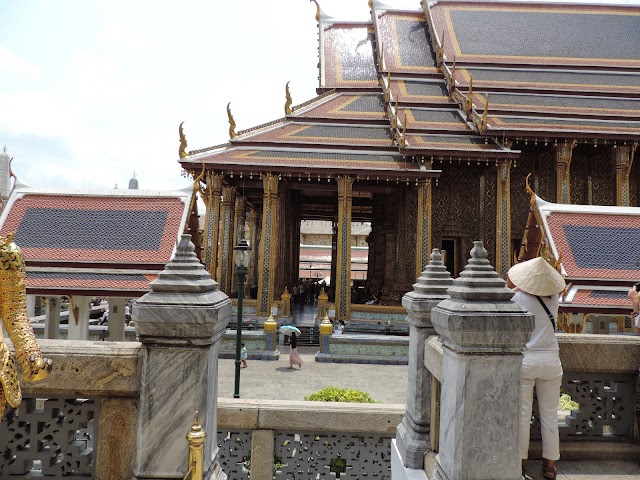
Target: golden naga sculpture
(183, 143)
(289, 100)
(13, 308)
(232, 122)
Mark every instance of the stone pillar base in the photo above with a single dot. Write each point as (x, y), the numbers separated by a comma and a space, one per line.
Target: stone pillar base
(412, 445)
(399, 471)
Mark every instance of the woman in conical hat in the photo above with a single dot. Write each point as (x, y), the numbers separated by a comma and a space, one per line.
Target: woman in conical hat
(538, 285)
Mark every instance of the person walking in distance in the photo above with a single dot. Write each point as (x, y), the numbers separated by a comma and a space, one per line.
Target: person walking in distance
(294, 356)
(243, 356)
(538, 285)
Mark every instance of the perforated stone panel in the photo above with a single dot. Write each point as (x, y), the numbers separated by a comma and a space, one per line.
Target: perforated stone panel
(319, 457)
(235, 453)
(51, 438)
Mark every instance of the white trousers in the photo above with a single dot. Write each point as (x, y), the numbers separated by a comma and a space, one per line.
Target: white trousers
(544, 371)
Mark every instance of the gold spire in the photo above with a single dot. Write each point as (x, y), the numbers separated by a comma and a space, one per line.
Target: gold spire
(287, 103)
(183, 142)
(232, 122)
(403, 137)
(317, 10)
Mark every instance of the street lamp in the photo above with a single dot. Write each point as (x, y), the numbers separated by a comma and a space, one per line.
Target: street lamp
(241, 254)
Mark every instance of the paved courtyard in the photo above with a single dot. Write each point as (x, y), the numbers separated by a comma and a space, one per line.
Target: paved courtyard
(386, 384)
(275, 381)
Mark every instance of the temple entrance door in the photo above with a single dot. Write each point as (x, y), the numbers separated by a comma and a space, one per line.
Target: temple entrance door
(451, 260)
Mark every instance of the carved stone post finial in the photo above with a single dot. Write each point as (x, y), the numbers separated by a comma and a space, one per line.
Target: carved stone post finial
(483, 334)
(412, 435)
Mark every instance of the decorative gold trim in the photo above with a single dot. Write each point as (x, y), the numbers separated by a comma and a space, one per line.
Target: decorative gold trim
(288, 100)
(182, 151)
(317, 10)
(232, 122)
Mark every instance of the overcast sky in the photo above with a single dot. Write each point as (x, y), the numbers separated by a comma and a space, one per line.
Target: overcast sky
(91, 91)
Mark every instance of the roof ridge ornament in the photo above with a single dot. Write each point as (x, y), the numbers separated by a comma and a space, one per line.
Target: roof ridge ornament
(440, 50)
(183, 142)
(403, 136)
(318, 11)
(452, 86)
(232, 122)
(289, 101)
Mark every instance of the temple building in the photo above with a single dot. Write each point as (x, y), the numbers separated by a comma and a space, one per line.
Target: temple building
(426, 125)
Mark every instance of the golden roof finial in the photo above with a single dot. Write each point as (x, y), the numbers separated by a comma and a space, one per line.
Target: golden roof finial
(183, 142)
(453, 75)
(317, 10)
(370, 3)
(232, 122)
(287, 103)
(403, 137)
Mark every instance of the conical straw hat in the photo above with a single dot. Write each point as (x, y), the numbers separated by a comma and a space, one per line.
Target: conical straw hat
(536, 277)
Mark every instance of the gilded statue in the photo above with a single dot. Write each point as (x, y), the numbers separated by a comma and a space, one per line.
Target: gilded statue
(13, 309)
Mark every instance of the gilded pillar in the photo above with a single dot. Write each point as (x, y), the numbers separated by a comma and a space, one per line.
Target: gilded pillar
(623, 159)
(225, 260)
(268, 244)
(503, 217)
(252, 223)
(423, 237)
(343, 264)
(211, 196)
(563, 164)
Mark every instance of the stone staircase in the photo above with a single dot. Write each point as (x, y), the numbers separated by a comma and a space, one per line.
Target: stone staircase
(309, 336)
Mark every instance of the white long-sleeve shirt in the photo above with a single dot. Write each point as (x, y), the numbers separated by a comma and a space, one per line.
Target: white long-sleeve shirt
(543, 337)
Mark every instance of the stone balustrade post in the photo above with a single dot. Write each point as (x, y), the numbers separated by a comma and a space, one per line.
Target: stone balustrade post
(412, 437)
(483, 334)
(180, 323)
(270, 340)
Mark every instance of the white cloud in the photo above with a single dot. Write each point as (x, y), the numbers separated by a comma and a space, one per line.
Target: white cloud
(14, 65)
(120, 36)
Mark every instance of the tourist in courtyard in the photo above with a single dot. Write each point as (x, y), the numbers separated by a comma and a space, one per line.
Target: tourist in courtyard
(537, 285)
(294, 356)
(243, 355)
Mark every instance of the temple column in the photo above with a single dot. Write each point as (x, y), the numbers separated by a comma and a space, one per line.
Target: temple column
(268, 244)
(252, 223)
(211, 196)
(423, 237)
(563, 163)
(79, 311)
(225, 260)
(52, 318)
(116, 319)
(503, 217)
(334, 256)
(343, 262)
(623, 158)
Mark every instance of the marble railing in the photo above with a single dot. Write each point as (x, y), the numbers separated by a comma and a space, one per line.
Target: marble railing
(86, 410)
(600, 375)
(275, 439)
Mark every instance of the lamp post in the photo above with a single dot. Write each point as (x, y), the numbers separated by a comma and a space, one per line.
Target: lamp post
(241, 259)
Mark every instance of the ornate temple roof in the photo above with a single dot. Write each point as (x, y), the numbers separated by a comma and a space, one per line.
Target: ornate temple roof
(111, 242)
(596, 248)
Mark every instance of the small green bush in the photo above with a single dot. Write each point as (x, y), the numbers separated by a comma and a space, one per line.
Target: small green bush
(566, 403)
(335, 394)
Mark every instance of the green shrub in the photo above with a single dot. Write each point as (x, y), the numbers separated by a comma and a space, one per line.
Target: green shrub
(566, 403)
(335, 394)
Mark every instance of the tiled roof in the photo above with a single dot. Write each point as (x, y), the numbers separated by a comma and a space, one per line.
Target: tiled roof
(602, 107)
(603, 298)
(571, 82)
(405, 40)
(348, 58)
(322, 134)
(102, 242)
(458, 143)
(438, 120)
(517, 33)
(421, 92)
(566, 125)
(367, 107)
